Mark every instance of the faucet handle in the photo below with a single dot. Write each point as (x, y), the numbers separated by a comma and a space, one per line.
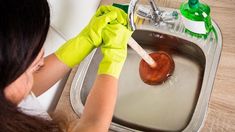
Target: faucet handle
(156, 12)
(154, 6)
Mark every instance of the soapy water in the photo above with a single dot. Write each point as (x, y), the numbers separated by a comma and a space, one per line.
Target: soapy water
(156, 105)
(170, 81)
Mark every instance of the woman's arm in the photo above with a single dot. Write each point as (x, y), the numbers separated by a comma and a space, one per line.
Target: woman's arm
(52, 71)
(100, 103)
(99, 107)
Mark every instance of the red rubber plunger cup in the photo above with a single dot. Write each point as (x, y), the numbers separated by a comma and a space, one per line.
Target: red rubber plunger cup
(164, 68)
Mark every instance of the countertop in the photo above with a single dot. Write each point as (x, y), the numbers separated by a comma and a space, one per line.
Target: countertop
(221, 112)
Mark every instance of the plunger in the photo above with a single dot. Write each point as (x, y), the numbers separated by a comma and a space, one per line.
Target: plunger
(154, 68)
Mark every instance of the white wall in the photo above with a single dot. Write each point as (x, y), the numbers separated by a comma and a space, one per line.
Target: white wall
(68, 18)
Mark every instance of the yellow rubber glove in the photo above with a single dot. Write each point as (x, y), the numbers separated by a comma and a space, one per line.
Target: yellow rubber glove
(114, 49)
(76, 49)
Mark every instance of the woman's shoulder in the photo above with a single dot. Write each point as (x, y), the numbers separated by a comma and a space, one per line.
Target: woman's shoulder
(31, 106)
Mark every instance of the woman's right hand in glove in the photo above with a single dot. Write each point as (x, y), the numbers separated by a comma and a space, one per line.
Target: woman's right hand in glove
(114, 48)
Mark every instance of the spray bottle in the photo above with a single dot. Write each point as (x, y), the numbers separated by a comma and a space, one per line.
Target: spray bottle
(196, 18)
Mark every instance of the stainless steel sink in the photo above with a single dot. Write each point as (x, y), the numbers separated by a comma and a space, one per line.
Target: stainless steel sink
(180, 103)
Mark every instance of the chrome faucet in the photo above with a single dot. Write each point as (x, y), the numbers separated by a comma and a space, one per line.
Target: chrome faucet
(155, 14)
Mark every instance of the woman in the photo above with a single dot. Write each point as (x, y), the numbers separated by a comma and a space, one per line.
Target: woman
(23, 29)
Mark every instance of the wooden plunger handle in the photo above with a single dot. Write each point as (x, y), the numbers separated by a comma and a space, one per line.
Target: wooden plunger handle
(143, 54)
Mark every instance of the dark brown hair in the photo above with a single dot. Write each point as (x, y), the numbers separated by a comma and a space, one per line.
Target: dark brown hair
(23, 29)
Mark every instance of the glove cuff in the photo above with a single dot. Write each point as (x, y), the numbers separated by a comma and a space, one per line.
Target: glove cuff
(74, 51)
(110, 68)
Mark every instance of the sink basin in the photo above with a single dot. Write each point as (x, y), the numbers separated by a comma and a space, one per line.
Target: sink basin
(178, 104)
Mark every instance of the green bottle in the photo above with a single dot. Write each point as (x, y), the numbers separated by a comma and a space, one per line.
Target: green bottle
(196, 18)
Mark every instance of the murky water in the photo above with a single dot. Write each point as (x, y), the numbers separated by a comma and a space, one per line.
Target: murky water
(167, 106)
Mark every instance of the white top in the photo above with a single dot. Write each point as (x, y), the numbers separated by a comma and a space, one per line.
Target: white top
(31, 106)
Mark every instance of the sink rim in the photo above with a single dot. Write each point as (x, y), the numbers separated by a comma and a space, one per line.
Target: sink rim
(198, 117)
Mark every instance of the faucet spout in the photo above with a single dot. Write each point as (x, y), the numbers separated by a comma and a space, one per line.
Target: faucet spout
(131, 11)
